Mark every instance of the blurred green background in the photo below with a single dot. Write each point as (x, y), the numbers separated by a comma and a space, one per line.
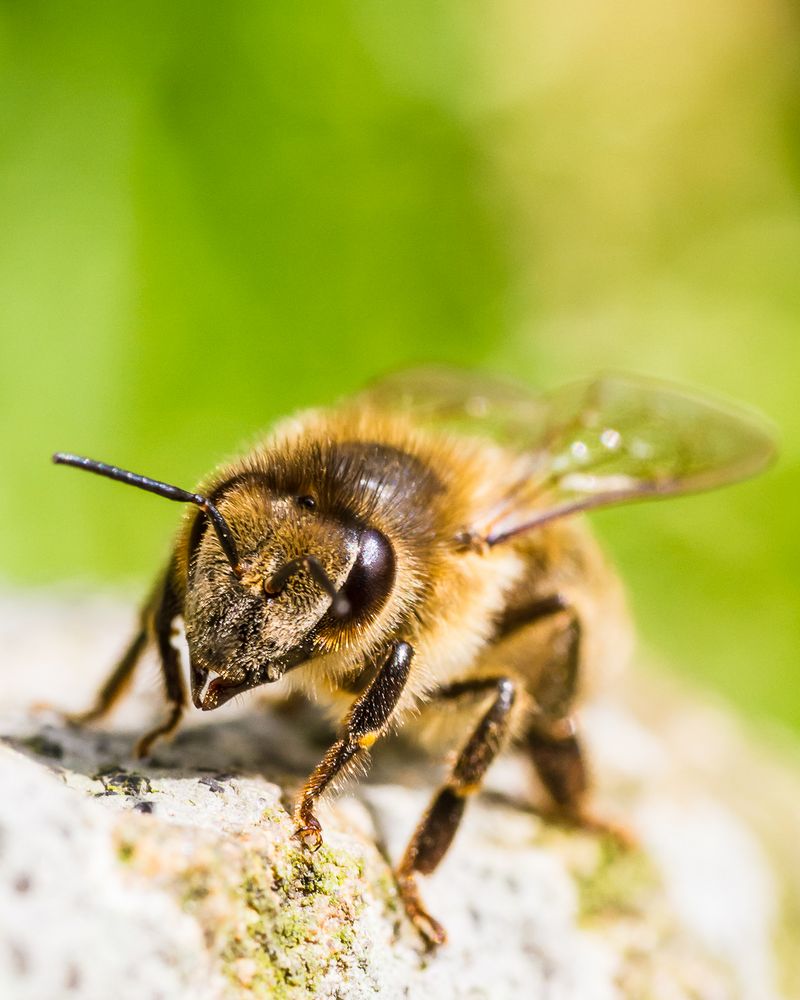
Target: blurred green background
(213, 214)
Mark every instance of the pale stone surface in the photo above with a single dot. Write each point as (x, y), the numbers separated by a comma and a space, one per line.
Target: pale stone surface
(179, 878)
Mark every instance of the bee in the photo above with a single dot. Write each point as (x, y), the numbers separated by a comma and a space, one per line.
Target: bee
(418, 547)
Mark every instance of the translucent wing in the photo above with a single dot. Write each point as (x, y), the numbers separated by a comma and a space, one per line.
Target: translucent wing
(471, 402)
(612, 439)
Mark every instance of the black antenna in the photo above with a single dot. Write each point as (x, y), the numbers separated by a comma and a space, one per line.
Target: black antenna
(163, 490)
(340, 605)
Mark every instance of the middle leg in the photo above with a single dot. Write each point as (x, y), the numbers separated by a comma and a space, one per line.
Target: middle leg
(438, 826)
(174, 687)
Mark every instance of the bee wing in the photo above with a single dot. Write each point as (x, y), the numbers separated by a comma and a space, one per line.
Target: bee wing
(471, 402)
(606, 441)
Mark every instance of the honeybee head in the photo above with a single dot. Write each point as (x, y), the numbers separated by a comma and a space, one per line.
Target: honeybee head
(300, 571)
(269, 572)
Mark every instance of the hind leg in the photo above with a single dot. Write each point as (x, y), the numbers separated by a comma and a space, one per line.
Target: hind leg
(553, 740)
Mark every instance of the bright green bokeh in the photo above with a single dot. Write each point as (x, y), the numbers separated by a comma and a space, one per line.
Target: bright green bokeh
(213, 214)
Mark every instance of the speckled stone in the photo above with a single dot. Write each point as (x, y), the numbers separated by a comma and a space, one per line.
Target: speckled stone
(179, 877)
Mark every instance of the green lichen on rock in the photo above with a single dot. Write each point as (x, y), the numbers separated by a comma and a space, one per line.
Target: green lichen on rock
(126, 851)
(277, 918)
(622, 881)
(300, 921)
(195, 887)
(321, 873)
(620, 896)
(385, 888)
(204, 894)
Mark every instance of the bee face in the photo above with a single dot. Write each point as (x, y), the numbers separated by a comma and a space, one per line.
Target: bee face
(256, 623)
(252, 626)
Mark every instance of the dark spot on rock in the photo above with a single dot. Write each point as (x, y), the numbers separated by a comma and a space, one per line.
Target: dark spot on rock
(44, 746)
(145, 806)
(22, 883)
(215, 786)
(121, 782)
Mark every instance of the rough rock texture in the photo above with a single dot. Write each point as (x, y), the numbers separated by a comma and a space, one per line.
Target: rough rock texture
(179, 878)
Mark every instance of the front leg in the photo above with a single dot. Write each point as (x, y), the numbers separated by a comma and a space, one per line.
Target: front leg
(367, 720)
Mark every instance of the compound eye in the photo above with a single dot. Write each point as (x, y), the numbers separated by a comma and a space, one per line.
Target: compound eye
(372, 576)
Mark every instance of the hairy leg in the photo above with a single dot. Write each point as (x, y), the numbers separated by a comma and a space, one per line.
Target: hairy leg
(165, 612)
(156, 620)
(367, 720)
(438, 826)
(122, 674)
(116, 684)
(553, 740)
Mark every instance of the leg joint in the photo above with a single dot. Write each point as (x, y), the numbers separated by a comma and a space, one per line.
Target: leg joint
(506, 693)
(504, 687)
(371, 712)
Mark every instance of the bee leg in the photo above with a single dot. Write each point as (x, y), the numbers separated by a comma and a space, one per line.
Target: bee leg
(553, 742)
(157, 616)
(551, 739)
(559, 760)
(115, 685)
(366, 721)
(166, 609)
(438, 826)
